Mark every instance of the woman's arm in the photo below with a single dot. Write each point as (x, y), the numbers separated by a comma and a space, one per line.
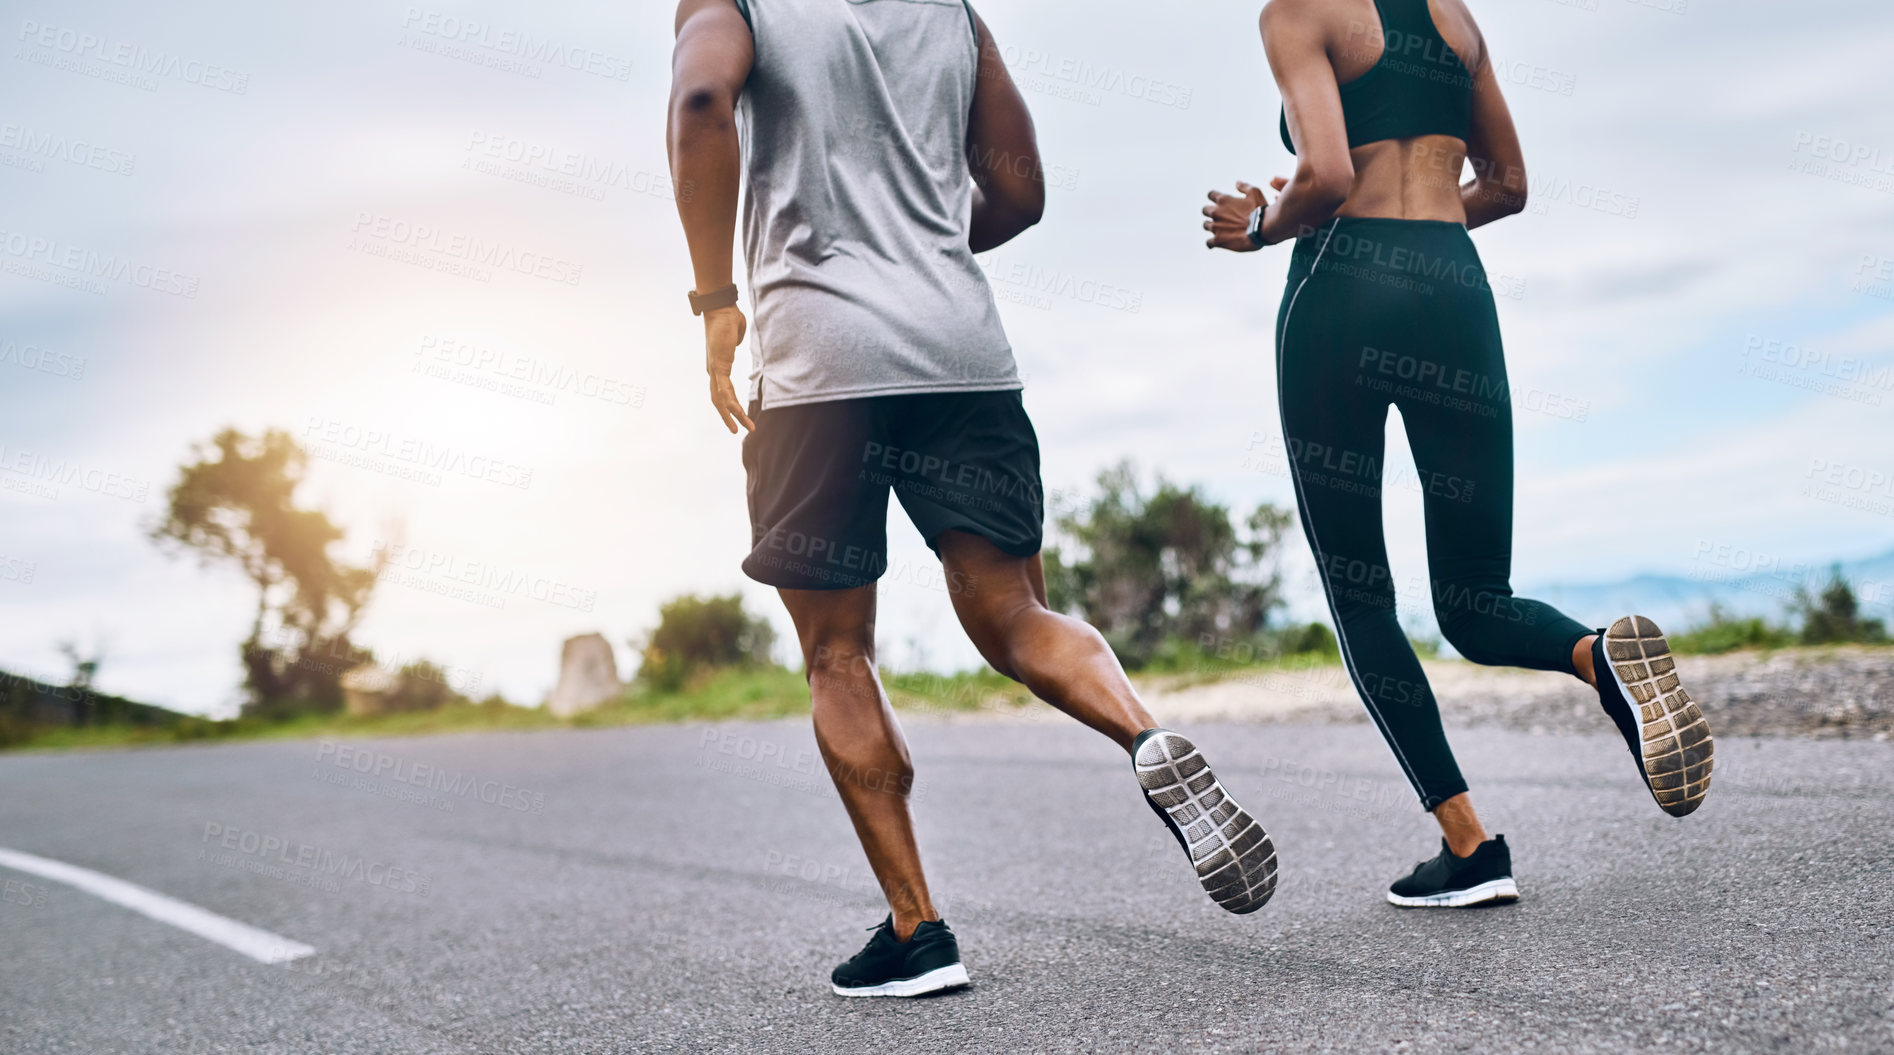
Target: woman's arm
(1009, 187)
(1294, 39)
(1498, 186)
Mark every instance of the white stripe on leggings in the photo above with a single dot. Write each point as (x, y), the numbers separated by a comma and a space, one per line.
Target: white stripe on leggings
(1295, 476)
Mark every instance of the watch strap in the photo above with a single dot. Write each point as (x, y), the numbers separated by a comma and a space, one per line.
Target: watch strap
(718, 298)
(1256, 226)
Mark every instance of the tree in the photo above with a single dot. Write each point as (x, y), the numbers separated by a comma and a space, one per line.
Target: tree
(704, 633)
(1169, 565)
(1836, 616)
(84, 669)
(236, 504)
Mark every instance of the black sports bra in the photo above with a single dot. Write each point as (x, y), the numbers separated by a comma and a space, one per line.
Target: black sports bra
(1418, 87)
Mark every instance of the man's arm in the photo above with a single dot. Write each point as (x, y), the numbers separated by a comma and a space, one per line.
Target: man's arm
(1009, 187)
(708, 67)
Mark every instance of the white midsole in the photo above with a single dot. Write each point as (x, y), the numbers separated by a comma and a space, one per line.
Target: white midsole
(1491, 890)
(939, 978)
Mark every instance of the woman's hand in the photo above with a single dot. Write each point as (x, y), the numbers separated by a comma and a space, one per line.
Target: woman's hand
(1228, 215)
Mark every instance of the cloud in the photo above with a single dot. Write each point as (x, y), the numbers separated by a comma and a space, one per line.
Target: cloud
(298, 204)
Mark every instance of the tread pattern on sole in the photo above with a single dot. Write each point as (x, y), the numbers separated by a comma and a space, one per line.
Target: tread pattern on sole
(1234, 859)
(1675, 749)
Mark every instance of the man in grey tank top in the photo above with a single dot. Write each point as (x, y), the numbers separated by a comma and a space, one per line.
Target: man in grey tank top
(884, 143)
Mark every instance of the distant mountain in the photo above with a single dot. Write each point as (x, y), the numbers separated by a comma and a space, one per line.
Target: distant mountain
(1741, 583)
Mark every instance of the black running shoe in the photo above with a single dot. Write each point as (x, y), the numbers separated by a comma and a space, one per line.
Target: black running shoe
(1483, 877)
(1637, 684)
(1234, 859)
(928, 962)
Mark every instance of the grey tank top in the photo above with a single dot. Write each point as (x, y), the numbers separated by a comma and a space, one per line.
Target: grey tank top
(854, 131)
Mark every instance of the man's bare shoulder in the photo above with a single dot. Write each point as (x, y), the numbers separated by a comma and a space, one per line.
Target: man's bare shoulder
(687, 9)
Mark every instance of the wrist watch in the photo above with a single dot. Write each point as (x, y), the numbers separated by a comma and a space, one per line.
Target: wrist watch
(721, 298)
(1256, 226)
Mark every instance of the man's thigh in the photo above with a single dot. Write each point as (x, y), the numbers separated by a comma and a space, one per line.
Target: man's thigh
(817, 521)
(963, 461)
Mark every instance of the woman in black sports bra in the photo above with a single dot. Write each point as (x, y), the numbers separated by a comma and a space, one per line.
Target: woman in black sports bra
(1384, 102)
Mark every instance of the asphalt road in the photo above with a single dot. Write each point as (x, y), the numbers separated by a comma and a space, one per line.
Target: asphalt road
(688, 888)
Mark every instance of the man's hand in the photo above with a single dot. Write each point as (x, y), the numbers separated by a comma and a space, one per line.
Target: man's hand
(1229, 216)
(723, 331)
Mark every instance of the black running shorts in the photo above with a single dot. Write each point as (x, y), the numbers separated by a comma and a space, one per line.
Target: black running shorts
(819, 476)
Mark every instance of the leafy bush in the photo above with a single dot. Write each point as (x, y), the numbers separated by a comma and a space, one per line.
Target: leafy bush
(703, 633)
(421, 686)
(1155, 572)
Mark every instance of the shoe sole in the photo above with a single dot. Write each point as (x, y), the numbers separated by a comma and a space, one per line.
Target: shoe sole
(952, 976)
(1232, 854)
(1676, 751)
(1492, 892)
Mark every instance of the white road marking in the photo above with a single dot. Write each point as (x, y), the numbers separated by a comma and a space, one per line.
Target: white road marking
(254, 942)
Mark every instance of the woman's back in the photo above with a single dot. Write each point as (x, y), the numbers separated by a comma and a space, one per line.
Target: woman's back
(1408, 75)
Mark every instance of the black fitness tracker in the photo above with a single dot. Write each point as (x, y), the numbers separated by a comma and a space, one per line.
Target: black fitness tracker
(1256, 226)
(721, 298)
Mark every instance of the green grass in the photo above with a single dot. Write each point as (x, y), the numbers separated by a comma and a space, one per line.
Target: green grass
(1722, 634)
(1291, 648)
(728, 695)
(761, 693)
(461, 717)
(1202, 669)
(968, 690)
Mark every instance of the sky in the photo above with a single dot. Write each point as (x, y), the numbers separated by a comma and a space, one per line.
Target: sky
(261, 216)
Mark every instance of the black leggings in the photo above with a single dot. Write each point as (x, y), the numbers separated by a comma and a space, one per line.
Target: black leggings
(1380, 312)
